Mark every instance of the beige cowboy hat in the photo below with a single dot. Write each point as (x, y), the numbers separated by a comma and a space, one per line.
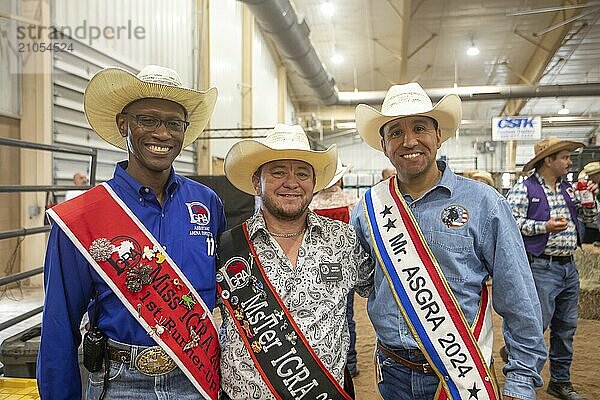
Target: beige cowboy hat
(486, 176)
(340, 171)
(284, 142)
(111, 89)
(548, 146)
(405, 101)
(590, 169)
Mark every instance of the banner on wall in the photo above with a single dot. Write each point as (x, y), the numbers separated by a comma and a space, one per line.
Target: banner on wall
(516, 128)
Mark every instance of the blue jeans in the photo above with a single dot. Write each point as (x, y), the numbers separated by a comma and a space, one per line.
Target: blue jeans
(557, 287)
(351, 358)
(402, 383)
(127, 383)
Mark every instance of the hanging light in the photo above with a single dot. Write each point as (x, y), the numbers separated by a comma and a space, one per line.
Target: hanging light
(473, 50)
(563, 111)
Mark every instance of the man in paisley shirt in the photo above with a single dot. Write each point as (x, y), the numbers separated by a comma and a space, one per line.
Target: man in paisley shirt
(311, 262)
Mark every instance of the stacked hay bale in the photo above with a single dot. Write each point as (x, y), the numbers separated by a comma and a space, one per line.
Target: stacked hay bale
(587, 260)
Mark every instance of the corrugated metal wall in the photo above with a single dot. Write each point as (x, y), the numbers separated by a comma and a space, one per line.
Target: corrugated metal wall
(226, 69)
(10, 63)
(73, 69)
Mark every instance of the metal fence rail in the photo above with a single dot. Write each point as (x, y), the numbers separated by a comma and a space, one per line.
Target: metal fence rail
(93, 154)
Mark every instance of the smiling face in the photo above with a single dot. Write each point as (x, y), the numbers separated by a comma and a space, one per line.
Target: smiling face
(151, 151)
(285, 188)
(411, 145)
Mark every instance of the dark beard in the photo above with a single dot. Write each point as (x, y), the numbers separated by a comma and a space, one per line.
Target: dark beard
(281, 214)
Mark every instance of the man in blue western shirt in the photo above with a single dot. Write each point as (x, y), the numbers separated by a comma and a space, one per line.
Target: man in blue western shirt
(470, 231)
(153, 117)
(545, 208)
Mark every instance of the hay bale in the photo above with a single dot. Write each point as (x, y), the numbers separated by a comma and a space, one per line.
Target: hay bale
(587, 260)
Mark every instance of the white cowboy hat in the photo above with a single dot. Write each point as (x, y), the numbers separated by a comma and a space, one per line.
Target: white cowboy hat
(340, 171)
(591, 168)
(111, 89)
(405, 101)
(284, 142)
(548, 146)
(486, 176)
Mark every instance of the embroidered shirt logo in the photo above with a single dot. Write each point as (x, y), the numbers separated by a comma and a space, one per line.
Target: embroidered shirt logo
(455, 216)
(199, 213)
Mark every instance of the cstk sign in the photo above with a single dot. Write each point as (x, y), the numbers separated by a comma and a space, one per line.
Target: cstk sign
(516, 128)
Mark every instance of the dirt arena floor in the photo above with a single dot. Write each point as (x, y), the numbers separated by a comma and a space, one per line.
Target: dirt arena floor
(585, 371)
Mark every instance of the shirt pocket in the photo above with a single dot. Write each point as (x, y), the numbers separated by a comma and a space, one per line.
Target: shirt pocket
(454, 253)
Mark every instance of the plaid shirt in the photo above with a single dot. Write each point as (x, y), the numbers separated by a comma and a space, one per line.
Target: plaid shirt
(561, 243)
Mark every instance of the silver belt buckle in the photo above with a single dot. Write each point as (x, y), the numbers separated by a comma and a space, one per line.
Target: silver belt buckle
(154, 361)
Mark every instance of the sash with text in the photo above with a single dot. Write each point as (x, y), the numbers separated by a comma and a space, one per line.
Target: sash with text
(427, 302)
(146, 280)
(282, 355)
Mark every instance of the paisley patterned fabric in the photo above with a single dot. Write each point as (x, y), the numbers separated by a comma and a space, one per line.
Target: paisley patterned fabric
(318, 307)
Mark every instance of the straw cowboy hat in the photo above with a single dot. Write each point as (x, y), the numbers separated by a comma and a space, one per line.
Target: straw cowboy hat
(284, 142)
(590, 169)
(405, 101)
(486, 176)
(340, 171)
(548, 146)
(111, 89)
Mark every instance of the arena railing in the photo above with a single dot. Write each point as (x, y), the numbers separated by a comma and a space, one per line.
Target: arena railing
(93, 154)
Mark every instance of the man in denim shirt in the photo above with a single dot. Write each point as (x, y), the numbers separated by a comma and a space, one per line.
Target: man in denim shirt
(471, 233)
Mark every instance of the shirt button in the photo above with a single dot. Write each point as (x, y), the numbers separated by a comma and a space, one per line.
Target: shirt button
(147, 190)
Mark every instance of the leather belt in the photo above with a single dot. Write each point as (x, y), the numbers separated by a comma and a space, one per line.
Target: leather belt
(152, 361)
(558, 259)
(424, 368)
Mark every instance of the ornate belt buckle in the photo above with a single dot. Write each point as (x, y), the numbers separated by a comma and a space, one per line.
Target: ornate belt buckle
(154, 361)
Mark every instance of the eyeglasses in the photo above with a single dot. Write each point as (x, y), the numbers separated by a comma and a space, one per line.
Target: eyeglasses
(149, 123)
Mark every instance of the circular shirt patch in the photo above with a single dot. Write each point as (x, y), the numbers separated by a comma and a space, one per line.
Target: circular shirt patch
(455, 216)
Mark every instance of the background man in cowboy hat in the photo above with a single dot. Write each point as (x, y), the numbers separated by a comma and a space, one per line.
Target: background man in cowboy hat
(152, 116)
(468, 228)
(545, 208)
(591, 172)
(336, 203)
(310, 261)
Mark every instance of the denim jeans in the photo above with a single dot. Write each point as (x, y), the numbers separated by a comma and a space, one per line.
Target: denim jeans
(402, 383)
(127, 383)
(351, 358)
(557, 286)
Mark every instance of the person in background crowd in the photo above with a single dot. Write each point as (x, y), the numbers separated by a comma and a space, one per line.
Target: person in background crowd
(79, 179)
(437, 238)
(591, 172)
(137, 253)
(334, 202)
(545, 208)
(285, 333)
(483, 176)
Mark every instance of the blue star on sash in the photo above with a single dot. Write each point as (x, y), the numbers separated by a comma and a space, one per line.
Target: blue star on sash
(473, 392)
(387, 210)
(390, 224)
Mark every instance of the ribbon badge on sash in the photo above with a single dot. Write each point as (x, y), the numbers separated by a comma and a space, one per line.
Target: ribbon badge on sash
(456, 351)
(285, 360)
(147, 281)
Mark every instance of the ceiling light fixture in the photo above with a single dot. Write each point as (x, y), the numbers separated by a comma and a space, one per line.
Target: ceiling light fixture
(327, 9)
(473, 50)
(563, 111)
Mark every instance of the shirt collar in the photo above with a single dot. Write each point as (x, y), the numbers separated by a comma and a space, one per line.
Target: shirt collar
(123, 178)
(257, 224)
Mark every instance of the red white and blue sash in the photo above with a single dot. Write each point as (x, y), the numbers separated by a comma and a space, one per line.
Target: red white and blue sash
(456, 352)
(146, 280)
